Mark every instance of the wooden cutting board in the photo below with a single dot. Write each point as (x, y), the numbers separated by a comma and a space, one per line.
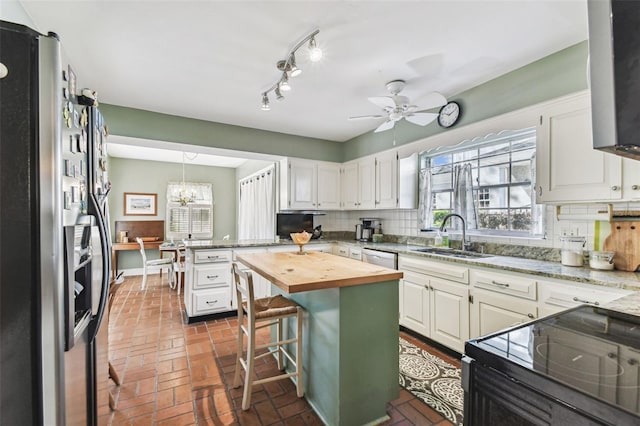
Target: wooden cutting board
(624, 240)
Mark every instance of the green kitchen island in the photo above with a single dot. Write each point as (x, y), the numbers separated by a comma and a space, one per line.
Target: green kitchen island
(350, 331)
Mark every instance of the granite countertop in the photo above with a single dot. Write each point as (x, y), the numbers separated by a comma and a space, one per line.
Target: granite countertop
(615, 279)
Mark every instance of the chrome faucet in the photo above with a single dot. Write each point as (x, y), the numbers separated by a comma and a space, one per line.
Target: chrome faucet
(465, 244)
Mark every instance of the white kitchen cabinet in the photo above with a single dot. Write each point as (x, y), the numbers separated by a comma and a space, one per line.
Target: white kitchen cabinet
(355, 253)
(366, 183)
(435, 307)
(630, 179)
(492, 311)
(558, 296)
(341, 250)
(500, 300)
(386, 180)
(208, 285)
(416, 306)
(568, 169)
(349, 183)
(309, 185)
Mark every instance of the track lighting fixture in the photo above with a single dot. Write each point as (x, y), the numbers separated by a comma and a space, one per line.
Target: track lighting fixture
(289, 68)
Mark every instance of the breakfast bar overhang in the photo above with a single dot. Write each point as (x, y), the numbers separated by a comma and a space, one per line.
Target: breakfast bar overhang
(350, 343)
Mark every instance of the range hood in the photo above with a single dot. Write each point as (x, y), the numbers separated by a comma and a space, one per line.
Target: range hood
(614, 65)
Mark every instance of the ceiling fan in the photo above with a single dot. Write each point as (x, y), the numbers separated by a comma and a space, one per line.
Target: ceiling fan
(397, 107)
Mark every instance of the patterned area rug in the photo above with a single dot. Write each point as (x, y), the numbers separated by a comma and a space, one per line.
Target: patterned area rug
(433, 380)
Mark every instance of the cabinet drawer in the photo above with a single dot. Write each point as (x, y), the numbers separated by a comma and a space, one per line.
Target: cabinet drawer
(209, 301)
(355, 253)
(212, 256)
(206, 276)
(567, 296)
(505, 283)
(446, 270)
(342, 251)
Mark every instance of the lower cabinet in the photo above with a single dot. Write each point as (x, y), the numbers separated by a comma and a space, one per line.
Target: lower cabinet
(207, 277)
(501, 300)
(432, 306)
(492, 312)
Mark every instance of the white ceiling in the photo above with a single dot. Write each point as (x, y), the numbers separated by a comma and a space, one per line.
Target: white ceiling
(212, 59)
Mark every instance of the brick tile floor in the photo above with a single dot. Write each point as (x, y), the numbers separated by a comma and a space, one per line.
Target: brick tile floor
(174, 373)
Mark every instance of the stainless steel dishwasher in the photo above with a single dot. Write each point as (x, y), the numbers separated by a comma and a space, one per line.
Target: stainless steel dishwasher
(382, 258)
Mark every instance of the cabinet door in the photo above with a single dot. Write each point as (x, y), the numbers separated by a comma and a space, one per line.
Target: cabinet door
(366, 184)
(302, 184)
(387, 181)
(492, 312)
(415, 303)
(350, 186)
(630, 179)
(567, 166)
(449, 313)
(328, 186)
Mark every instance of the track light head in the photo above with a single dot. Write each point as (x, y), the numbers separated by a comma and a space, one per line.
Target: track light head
(265, 102)
(284, 83)
(315, 53)
(279, 96)
(295, 71)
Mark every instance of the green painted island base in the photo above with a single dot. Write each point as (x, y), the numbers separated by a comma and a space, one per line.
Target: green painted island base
(350, 354)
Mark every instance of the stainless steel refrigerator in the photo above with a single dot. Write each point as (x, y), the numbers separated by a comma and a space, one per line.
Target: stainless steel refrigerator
(54, 238)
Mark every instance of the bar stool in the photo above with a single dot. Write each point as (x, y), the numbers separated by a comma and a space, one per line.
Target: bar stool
(262, 313)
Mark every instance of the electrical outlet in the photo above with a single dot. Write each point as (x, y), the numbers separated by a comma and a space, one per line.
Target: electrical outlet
(570, 231)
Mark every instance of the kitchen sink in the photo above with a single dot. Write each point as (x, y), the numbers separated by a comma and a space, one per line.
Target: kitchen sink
(447, 252)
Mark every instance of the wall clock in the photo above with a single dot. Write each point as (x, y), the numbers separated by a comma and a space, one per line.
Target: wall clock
(449, 114)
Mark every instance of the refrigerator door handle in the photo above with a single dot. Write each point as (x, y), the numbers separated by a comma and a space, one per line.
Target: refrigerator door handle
(106, 268)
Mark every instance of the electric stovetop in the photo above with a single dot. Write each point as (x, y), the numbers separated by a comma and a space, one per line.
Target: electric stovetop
(588, 350)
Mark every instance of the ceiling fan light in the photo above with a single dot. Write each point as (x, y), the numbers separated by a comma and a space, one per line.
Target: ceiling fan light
(265, 102)
(315, 53)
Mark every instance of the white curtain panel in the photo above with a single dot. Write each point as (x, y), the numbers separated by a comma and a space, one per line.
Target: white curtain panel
(425, 208)
(256, 209)
(463, 200)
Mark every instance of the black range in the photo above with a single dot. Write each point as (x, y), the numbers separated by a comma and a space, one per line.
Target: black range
(581, 366)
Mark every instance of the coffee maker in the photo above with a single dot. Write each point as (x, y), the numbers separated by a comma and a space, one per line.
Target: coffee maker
(368, 227)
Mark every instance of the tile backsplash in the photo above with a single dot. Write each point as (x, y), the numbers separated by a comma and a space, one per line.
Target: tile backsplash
(405, 223)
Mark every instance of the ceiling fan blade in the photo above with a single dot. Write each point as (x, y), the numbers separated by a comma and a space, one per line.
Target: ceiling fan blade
(421, 118)
(432, 100)
(382, 101)
(385, 126)
(360, 117)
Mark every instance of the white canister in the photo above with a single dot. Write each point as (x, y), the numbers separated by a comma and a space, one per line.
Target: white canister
(571, 252)
(601, 260)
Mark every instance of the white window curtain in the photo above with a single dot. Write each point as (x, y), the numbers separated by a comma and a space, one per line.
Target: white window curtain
(463, 199)
(256, 208)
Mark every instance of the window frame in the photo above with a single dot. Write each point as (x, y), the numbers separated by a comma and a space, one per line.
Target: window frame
(190, 205)
(477, 145)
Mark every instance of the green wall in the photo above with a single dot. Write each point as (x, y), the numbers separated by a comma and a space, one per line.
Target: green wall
(559, 74)
(143, 124)
(151, 177)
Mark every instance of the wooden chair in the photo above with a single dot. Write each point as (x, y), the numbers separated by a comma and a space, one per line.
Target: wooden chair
(157, 263)
(262, 313)
(178, 267)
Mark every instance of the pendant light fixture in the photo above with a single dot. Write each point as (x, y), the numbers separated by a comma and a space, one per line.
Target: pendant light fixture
(289, 68)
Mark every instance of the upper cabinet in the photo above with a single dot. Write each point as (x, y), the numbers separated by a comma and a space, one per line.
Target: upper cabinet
(309, 185)
(371, 182)
(568, 169)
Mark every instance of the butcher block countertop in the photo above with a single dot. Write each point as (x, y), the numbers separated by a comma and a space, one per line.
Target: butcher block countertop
(295, 273)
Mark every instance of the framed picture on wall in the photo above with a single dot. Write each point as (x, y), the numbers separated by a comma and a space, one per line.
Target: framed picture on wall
(140, 204)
